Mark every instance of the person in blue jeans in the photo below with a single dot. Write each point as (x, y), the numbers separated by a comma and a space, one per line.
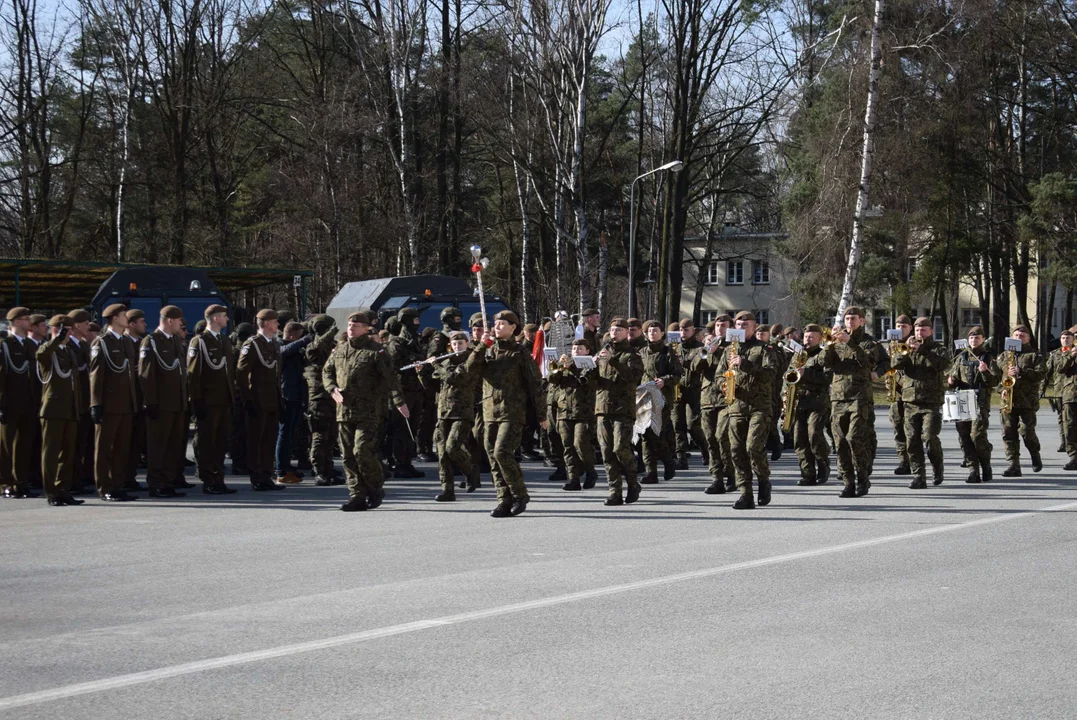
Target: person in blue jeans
(293, 392)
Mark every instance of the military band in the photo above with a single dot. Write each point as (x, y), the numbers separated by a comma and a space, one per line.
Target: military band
(730, 396)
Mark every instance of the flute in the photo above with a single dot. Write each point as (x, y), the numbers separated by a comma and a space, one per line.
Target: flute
(432, 360)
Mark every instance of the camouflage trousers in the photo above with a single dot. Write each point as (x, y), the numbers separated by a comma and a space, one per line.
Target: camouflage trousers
(615, 439)
(454, 444)
(552, 444)
(323, 432)
(853, 427)
(922, 426)
(897, 421)
(1020, 424)
(748, 435)
(715, 422)
(359, 443)
(579, 455)
(809, 438)
(501, 440)
(1069, 428)
(973, 434)
(688, 424)
(1057, 405)
(660, 446)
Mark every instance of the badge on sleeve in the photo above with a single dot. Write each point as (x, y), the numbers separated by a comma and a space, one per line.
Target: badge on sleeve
(94, 350)
(142, 353)
(246, 349)
(192, 350)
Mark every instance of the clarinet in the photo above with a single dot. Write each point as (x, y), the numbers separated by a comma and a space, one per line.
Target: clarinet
(439, 357)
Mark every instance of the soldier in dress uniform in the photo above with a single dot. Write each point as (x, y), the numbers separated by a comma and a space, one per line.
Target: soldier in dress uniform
(211, 386)
(362, 381)
(80, 343)
(163, 378)
(57, 364)
(510, 391)
(238, 448)
(39, 331)
(321, 409)
(18, 414)
(136, 330)
(113, 400)
(258, 379)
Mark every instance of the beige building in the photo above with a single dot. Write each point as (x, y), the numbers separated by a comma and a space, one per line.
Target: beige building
(746, 272)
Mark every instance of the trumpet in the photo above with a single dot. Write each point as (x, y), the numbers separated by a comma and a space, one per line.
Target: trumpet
(897, 349)
(731, 374)
(791, 379)
(709, 347)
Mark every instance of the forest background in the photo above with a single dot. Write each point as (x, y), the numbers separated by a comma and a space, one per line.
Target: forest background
(371, 138)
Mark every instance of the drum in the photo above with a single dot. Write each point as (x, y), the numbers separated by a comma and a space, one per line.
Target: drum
(959, 406)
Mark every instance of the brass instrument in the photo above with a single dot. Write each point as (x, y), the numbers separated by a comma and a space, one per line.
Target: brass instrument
(897, 349)
(1009, 360)
(792, 377)
(731, 374)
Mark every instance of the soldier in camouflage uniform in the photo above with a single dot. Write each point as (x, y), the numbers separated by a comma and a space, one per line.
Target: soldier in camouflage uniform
(750, 421)
(361, 379)
(897, 408)
(1067, 368)
(662, 367)
(851, 356)
(687, 418)
(478, 442)
(619, 372)
(456, 379)
(923, 369)
(321, 409)
(973, 369)
(636, 338)
(1027, 373)
(403, 349)
(510, 389)
(575, 416)
(812, 415)
(1054, 382)
(713, 408)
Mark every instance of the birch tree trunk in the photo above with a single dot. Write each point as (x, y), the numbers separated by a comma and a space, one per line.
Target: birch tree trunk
(853, 266)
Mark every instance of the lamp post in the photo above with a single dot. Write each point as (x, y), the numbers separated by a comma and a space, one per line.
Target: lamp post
(672, 166)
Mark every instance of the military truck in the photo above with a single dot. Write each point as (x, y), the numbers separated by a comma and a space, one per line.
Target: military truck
(151, 288)
(429, 294)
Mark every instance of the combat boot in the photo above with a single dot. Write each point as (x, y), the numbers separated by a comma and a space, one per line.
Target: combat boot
(650, 479)
(590, 479)
(1037, 463)
(559, 475)
(985, 471)
(1061, 447)
(938, 477)
(323, 481)
(355, 504)
(573, 484)
(462, 484)
(764, 492)
(518, 506)
(862, 487)
(903, 469)
(633, 494)
(446, 495)
(473, 483)
(717, 487)
(1014, 470)
(848, 490)
(966, 463)
(919, 483)
(807, 481)
(614, 499)
(746, 501)
(974, 476)
(682, 461)
(408, 472)
(503, 509)
(1071, 465)
(669, 472)
(824, 472)
(730, 483)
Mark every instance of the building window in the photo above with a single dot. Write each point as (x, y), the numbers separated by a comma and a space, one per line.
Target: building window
(709, 315)
(910, 269)
(734, 272)
(712, 273)
(938, 329)
(762, 317)
(970, 317)
(760, 272)
(883, 323)
(732, 313)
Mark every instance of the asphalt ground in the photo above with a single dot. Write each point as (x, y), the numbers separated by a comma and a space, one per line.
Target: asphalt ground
(953, 602)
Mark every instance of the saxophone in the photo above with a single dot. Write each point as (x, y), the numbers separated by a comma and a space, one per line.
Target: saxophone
(731, 374)
(1008, 383)
(896, 349)
(791, 379)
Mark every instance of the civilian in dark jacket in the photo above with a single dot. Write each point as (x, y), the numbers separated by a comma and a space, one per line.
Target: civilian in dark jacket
(293, 391)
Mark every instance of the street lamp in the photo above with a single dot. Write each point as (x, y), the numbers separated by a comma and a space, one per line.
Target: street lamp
(672, 166)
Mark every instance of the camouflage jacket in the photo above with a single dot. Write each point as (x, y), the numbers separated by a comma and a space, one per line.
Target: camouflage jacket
(965, 369)
(510, 385)
(923, 373)
(659, 361)
(754, 378)
(618, 378)
(361, 370)
(1066, 369)
(852, 364)
(403, 349)
(1031, 368)
(690, 382)
(317, 354)
(815, 379)
(457, 378)
(575, 392)
(702, 371)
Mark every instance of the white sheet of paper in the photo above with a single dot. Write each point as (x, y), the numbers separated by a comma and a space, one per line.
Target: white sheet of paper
(961, 344)
(674, 336)
(1012, 344)
(734, 334)
(584, 362)
(893, 335)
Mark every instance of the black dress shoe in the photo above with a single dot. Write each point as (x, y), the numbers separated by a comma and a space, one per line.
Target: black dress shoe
(183, 484)
(503, 509)
(614, 500)
(20, 494)
(375, 499)
(356, 504)
(518, 506)
(118, 497)
(240, 470)
(55, 502)
(124, 497)
(134, 487)
(633, 494)
(211, 489)
(446, 496)
(166, 493)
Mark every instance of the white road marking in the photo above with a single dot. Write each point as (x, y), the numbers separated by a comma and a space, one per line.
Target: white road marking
(122, 681)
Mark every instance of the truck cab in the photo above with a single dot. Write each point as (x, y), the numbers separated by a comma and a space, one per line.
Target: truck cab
(149, 289)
